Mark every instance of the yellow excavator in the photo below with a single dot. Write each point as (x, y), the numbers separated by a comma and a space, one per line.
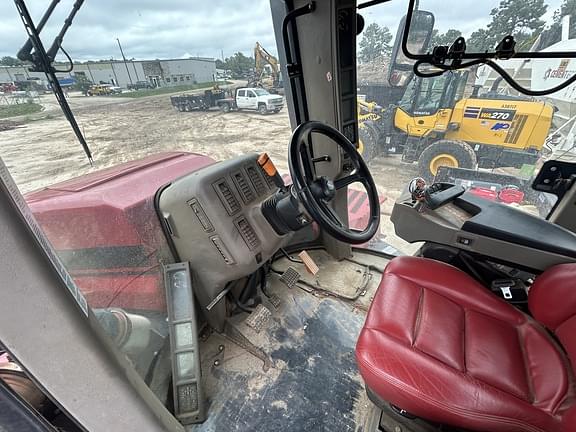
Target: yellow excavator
(266, 71)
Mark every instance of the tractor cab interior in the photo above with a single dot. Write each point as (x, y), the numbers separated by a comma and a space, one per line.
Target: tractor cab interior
(262, 292)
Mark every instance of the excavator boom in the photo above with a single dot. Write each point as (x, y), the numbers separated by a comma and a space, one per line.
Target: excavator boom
(266, 71)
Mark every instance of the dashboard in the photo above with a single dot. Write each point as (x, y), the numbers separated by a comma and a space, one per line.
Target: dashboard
(214, 219)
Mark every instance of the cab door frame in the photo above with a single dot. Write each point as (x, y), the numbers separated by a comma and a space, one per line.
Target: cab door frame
(47, 327)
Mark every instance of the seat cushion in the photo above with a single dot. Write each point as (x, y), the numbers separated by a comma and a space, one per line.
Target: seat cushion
(441, 346)
(552, 302)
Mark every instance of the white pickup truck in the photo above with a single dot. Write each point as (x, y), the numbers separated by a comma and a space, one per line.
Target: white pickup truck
(252, 98)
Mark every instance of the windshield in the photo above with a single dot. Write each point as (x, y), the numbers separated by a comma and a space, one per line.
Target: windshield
(471, 118)
(129, 67)
(152, 88)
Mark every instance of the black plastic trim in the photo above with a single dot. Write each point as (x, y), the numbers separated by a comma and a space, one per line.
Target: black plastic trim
(15, 415)
(501, 222)
(167, 234)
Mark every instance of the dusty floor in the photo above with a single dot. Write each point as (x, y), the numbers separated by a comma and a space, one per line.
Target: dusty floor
(305, 376)
(45, 150)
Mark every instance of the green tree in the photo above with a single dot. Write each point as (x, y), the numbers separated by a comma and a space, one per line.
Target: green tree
(10, 61)
(239, 65)
(519, 18)
(447, 38)
(554, 33)
(375, 43)
(82, 83)
(479, 41)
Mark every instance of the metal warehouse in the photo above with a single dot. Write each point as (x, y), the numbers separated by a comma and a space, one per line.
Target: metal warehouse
(161, 73)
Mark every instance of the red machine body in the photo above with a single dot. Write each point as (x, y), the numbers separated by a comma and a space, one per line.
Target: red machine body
(105, 229)
(486, 193)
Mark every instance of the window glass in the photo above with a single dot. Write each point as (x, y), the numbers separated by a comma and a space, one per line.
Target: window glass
(430, 95)
(109, 235)
(466, 127)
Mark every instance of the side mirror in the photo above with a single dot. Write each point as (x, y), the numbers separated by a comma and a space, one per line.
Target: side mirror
(419, 35)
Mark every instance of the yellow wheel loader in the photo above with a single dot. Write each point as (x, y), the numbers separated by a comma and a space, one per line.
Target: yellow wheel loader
(369, 134)
(436, 124)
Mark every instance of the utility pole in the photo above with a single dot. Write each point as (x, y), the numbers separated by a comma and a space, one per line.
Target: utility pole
(125, 63)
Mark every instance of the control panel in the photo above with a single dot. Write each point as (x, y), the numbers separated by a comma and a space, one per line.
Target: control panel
(213, 217)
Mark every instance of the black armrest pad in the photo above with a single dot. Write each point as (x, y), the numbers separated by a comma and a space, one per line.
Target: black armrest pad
(502, 222)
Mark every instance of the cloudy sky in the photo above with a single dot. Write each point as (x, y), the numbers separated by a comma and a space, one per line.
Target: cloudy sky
(150, 29)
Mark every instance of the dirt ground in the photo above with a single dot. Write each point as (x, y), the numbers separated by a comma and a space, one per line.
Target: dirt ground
(45, 151)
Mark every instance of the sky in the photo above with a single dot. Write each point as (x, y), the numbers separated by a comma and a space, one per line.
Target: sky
(150, 29)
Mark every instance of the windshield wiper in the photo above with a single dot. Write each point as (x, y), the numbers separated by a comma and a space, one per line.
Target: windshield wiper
(42, 60)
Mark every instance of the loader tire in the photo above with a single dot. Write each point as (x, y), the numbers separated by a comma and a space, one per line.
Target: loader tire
(456, 154)
(367, 142)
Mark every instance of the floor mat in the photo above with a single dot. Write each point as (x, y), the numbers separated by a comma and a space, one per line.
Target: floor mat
(344, 278)
(294, 370)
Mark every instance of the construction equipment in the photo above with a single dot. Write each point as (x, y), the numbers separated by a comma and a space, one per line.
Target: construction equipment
(266, 71)
(369, 134)
(99, 90)
(435, 125)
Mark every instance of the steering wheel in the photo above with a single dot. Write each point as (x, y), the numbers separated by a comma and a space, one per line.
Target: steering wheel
(315, 192)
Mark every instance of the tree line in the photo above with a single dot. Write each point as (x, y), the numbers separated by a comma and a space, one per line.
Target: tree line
(239, 65)
(520, 18)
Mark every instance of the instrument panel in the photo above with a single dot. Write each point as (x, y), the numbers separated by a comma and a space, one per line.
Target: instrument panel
(213, 218)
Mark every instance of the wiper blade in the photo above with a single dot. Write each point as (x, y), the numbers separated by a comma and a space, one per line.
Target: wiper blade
(42, 60)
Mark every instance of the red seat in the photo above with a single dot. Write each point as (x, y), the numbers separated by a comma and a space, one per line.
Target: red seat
(439, 345)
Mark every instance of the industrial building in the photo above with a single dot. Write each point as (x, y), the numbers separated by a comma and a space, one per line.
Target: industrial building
(159, 73)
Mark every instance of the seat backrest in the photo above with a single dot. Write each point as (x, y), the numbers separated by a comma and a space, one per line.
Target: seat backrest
(552, 301)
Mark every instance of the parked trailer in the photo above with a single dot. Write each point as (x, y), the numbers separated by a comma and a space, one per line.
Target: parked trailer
(193, 102)
(244, 98)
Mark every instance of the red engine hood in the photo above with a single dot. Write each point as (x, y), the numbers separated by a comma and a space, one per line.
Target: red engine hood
(104, 227)
(95, 210)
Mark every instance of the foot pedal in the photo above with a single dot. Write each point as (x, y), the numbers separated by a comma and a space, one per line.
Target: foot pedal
(309, 263)
(274, 300)
(258, 318)
(290, 277)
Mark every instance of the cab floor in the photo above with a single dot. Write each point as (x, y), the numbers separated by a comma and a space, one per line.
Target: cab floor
(298, 372)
